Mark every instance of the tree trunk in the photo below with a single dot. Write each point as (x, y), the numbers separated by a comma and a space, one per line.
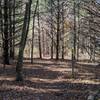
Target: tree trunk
(52, 38)
(6, 35)
(13, 30)
(63, 32)
(10, 29)
(32, 46)
(19, 65)
(39, 35)
(74, 41)
(1, 19)
(58, 30)
(78, 34)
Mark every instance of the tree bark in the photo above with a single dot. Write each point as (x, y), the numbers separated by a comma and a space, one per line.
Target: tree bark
(74, 40)
(63, 32)
(19, 65)
(10, 29)
(78, 33)
(6, 34)
(32, 46)
(13, 30)
(39, 34)
(58, 30)
(52, 38)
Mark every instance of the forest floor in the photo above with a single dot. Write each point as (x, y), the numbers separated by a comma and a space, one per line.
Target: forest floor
(50, 80)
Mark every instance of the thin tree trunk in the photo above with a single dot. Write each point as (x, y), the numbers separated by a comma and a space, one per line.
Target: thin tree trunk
(90, 38)
(32, 46)
(13, 30)
(1, 24)
(1, 19)
(74, 33)
(19, 65)
(94, 47)
(52, 40)
(58, 30)
(10, 29)
(74, 41)
(43, 42)
(39, 35)
(78, 44)
(6, 35)
(63, 32)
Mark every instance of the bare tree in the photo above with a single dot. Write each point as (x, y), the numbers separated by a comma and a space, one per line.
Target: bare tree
(19, 65)
(6, 34)
(32, 46)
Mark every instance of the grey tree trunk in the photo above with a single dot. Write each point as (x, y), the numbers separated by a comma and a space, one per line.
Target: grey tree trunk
(6, 34)
(52, 38)
(1, 19)
(39, 34)
(32, 46)
(19, 65)
(63, 32)
(13, 29)
(74, 41)
(10, 29)
(58, 30)
(78, 33)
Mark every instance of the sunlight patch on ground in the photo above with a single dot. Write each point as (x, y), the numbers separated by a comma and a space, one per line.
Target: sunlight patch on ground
(87, 74)
(30, 66)
(87, 63)
(64, 80)
(7, 78)
(27, 88)
(43, 80)
(62, 69)
(83, 81)
(37, 90)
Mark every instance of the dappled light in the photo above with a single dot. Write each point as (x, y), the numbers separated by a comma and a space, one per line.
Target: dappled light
(49, 50)
(48, 79)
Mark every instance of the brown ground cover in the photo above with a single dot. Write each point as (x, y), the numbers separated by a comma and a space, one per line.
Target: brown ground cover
(49, 80)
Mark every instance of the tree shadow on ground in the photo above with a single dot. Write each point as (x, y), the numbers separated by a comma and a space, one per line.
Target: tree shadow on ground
(90, 69)
(30, 90)
(45, 81)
